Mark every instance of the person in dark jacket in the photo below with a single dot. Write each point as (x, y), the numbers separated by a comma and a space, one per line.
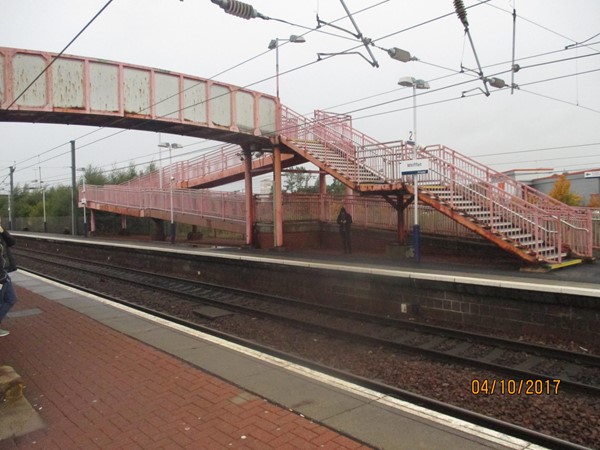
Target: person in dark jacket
(8, 296)
(344, 220)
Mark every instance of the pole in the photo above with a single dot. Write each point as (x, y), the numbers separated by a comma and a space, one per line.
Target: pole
(416, 228)
(44, 206)
(171, 179)
(43, 188)
(73, 190)
(85, 230)
(277, 199)
(277, 64)
(10, 198)
(160, 167)
(172, 219)
(248, 196)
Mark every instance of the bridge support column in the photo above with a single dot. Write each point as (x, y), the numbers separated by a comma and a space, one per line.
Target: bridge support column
(92, 221)
(277, 199)
(400, 214)
(322, 194)
(249, 197)
(349, 201)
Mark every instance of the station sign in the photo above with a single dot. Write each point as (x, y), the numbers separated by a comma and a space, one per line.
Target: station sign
(592, 174)
(414, 166)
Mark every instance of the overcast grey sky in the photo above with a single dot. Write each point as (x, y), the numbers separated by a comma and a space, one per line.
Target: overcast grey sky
(554, 124)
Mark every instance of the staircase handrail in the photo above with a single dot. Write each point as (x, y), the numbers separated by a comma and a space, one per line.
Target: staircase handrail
(542, 213)
(532, 221)
(502, 177)
(496, 199)
(344, 138)
(225, 156)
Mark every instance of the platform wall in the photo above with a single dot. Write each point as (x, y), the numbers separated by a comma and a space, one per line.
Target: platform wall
(515, 311)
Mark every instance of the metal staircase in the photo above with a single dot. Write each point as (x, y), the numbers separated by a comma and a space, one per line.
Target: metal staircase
(520, 220)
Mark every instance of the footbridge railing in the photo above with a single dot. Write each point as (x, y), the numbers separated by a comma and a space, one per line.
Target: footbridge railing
(339, 139)
(543, 216)
(550, 222)
(227, 206)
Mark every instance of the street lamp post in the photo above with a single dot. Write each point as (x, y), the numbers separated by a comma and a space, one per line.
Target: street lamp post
(84, 203)
(274, 44)
(160, 167)
(43, 188)
(170, 146)
(415, 84)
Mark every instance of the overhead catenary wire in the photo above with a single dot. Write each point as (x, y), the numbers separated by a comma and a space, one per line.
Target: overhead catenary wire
(116, 121)
(59, 54)
(347, 112)
(300, 67)
(121, 131)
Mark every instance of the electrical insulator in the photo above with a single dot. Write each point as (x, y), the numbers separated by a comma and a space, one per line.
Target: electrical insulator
(496, 82)
(461, 12)
(238, 9)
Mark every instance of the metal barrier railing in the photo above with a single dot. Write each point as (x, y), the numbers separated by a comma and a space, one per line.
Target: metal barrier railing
(368, 212)
(549, 221)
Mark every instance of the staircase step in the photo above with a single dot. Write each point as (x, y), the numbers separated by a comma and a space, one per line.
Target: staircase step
(516, 237)
(501, 226)
(530, 243)
(547, 250)
(509, 230)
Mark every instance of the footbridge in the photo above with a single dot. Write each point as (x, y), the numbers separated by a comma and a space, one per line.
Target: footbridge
(264, 136)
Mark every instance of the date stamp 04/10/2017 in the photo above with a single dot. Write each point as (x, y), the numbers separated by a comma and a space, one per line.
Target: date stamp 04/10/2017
(514, 386)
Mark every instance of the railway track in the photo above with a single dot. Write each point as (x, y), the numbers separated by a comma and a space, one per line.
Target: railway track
(519, 367)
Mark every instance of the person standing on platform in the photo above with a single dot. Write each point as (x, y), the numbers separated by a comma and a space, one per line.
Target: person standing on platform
(8, 296)
(344, 220)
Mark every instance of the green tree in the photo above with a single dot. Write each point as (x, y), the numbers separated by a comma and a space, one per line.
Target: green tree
(561, 191)
(337, 187)
(299, 181)
(28, 201)
(58, 201)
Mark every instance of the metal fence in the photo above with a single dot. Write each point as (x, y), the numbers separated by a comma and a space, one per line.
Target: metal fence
(367, 212)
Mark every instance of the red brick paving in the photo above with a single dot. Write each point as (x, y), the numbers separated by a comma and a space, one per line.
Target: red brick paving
(96, 388)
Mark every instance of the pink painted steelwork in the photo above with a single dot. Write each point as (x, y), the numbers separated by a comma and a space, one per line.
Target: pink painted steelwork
(548, 229)
(549, 221)
(88, 91)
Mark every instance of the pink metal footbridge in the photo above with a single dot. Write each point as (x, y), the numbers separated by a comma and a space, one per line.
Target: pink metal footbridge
(264, 136)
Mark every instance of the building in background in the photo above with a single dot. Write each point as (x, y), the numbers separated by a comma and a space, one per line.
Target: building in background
(584, 183)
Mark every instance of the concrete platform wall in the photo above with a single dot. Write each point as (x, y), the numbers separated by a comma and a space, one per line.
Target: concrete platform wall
(454, 304)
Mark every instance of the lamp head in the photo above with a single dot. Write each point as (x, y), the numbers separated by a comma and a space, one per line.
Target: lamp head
(407, 81)
(421, 84)
(413, 82)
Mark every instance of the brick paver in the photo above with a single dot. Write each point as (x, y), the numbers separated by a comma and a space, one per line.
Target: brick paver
(98, 389)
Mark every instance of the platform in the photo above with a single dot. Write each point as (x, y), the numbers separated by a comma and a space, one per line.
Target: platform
(104, 376)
